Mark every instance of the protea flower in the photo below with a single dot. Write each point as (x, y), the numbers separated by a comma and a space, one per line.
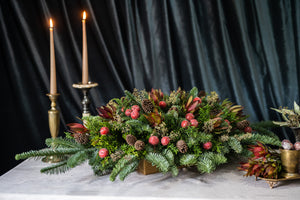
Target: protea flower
(156, 95)
(107, 112)
(77, 128)
(259, 150)
(192, 104)
(154, 118)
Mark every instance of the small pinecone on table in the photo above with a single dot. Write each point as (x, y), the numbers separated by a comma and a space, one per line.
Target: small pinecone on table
(182, 146)
(81, 138)
(147, 106)
(242, 124)
(139, 145)
(130, 139)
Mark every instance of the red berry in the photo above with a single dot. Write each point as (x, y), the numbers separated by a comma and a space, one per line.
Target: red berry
(197, 99)
(122, 109)
(165, 140)
(135, 107)
(104, 130)
(194, 122)
(189, 116)
(185, 123)
(103, 153)
(248, 129)
(162, 104)
(135, 114)
(154, 140)
(207, 145)
(128, 112)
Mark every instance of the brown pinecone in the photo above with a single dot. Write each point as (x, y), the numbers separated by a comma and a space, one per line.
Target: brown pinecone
(81, 138)
(130, 139)
(242, 124)
(182, 146)
(201, 93)
(139, 145)
(147, 106)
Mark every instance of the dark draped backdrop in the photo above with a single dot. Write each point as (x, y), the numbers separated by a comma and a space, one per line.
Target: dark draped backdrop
(247, 51)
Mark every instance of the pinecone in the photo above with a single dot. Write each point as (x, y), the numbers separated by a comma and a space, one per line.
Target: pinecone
(147, 105)
(182, 146)
(130, 139)
(139, 145)
(81, 138)
(116, 156)
(242, 124)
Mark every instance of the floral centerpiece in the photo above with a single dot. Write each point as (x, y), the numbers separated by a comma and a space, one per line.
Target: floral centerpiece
(182, 129)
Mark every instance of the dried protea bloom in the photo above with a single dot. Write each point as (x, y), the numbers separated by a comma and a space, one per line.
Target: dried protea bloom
(242, 124)
(147, 106)
(81, 138)
(117, 155)
(139, 145)
(130, 139)
(182, 146)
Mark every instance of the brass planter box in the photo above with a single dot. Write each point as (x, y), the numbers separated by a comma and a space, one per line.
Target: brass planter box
(146, 168)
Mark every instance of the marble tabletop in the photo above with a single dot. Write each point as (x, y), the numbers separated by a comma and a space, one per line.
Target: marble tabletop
(26, 182)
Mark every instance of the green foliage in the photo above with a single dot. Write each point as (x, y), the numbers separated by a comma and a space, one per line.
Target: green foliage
(235, 145)
(208, 161)
(123, 162)
(127, 169)
(188, 160)
(58, 168)
(77, 159)
(46, 152)
(159, 161)
(265, 139)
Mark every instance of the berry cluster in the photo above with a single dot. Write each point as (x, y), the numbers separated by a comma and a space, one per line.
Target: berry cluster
(189, 121)
(134, 112)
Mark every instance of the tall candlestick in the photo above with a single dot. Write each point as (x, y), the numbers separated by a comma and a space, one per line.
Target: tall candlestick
(85, 73)
(53, 88)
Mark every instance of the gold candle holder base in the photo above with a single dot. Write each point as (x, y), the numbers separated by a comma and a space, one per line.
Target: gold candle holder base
(54, 120)
(85, 101)
(290, 163)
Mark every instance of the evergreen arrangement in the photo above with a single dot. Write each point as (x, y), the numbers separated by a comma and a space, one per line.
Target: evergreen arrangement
(182, 129)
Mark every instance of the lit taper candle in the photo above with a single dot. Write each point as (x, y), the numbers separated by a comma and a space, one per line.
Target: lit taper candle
(53, 88)
(85, 72)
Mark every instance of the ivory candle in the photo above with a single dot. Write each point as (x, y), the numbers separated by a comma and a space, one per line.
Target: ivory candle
(53, 88)
(85, 73)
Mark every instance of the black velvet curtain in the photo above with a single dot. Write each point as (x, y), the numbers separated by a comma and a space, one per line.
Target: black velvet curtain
(247, 51)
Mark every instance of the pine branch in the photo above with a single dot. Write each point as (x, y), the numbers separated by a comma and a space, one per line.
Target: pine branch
(169, 156)
(266, 139)
(174, 170)
(131, 97)
(206, 165)
(58, 168)
(62, 142)
(188, 160)
(264, 131)
(77, 159)
(159, 161)
(119, 166)
(235, 145)
(219, 159)
(127, 169)
(46, 152)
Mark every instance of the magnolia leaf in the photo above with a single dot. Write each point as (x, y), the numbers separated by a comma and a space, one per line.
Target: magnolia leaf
(281, 123)
(296, 108)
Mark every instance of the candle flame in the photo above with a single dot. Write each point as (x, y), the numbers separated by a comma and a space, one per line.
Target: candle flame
(51, 23)
(84, 15)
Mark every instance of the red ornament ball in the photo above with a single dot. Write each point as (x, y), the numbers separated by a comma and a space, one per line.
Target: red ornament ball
(185, 123)
(103, 153)
(128, 112)
(189, 116)
(104, 130)
(248, 129)
(122, 109)
(162, 104)
(135, 107)
(154, 140)
(194, 122)
(165, 140)
(197, 99)
(297, 145)
(207, 145)
(135, 114)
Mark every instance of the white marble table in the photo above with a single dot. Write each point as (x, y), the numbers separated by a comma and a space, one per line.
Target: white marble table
(26, 182)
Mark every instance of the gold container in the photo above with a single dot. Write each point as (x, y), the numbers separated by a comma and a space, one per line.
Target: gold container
(146, 168)
(290, 162)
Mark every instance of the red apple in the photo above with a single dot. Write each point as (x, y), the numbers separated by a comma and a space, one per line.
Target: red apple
(162, 104)
(207, 145)
(135, 107)
(135, 114)
(128, 112)
(189, 116)
(104, 130)
(103, 153)
(185, 123)
(194, 122)
(165, 140)
(248, 129)
(154, 140)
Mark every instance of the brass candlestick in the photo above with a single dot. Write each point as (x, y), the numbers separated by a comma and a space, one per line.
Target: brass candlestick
(53, 117)
(85, 101)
